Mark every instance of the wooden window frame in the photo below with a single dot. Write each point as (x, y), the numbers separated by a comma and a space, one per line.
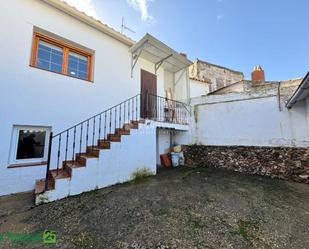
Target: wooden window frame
(66, 47)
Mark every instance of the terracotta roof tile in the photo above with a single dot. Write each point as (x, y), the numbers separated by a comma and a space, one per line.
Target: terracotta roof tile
(200, 80)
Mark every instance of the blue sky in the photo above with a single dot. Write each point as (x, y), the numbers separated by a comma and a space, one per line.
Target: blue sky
(234, 33)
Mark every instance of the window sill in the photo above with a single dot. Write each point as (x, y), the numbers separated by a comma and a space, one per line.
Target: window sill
(21, 165)
(67, 75)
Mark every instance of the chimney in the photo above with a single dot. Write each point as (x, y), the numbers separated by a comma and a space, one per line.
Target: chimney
(258, 74)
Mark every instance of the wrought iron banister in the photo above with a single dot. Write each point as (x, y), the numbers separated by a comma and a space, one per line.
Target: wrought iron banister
(65, 146)
(98, 114)
(166, 110)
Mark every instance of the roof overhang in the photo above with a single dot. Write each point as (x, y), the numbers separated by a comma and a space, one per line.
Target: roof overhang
(155, 51)
(63, 6)
(301, 93)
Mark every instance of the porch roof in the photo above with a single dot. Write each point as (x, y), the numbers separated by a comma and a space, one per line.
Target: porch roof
(301, 93)
(155, 51)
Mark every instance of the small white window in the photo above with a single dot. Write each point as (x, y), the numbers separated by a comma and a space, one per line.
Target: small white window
(29, 144)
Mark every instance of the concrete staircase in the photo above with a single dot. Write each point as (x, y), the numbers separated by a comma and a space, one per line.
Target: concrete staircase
(110, 161)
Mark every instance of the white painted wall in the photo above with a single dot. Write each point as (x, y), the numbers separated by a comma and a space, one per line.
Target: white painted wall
(168, 133)
(179, 137)
(307, 108)
(198, 88)
(117, 165)
(163, 143)
(168, 80)
(181, 86)
(249, 119)
(30, 96)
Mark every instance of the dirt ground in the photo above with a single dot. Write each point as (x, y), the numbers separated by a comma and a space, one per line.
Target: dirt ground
(179, 208)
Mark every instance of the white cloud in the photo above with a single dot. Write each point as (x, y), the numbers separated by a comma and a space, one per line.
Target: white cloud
(86, 6)
(142, 7)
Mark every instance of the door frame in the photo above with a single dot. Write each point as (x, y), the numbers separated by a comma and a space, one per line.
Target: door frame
(148, 102)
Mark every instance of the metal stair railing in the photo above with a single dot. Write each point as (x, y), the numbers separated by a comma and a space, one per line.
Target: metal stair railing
(64, 146)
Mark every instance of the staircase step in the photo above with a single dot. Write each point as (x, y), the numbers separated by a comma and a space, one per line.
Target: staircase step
(40, 185)
(127, 126)
(142, 121)
(67, 169)
(93, 150)
(62, 173)
(120, 131)
(70, 165)
(134, 124)
(88, 155)
(114, 137)
(74, 165)
(81, 160)
(104, 144)
(67, 162)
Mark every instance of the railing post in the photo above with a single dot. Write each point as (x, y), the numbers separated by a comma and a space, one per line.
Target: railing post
(48, 159)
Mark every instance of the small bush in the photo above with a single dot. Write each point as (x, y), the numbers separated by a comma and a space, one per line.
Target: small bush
(141, 174)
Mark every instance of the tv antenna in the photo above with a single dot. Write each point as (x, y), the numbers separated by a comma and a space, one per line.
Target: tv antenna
(125, 27)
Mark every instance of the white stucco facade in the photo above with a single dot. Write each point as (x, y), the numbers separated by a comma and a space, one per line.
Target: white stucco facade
(135, 152)
(198, 88)
(117, 165)
(249, 119)
(182, 86)
(35, 97)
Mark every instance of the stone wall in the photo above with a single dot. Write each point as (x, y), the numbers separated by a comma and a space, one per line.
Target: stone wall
(214, 75)
(276, 162)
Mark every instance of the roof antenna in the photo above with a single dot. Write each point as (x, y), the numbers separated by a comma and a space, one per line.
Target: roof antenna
(125, 27)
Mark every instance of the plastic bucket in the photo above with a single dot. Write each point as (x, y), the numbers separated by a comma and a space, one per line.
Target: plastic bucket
(175, 159)
(181, 159)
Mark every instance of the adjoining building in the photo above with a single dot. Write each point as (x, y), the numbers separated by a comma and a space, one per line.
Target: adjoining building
(254, 126)
(206, 77)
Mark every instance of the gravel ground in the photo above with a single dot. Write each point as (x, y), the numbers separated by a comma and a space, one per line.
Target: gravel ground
(179, 208)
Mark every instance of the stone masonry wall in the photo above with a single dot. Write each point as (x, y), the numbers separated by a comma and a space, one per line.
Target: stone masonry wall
(216, 76)
(276, 162)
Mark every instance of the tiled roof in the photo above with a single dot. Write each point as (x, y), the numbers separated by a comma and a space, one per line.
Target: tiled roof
(200, 80)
